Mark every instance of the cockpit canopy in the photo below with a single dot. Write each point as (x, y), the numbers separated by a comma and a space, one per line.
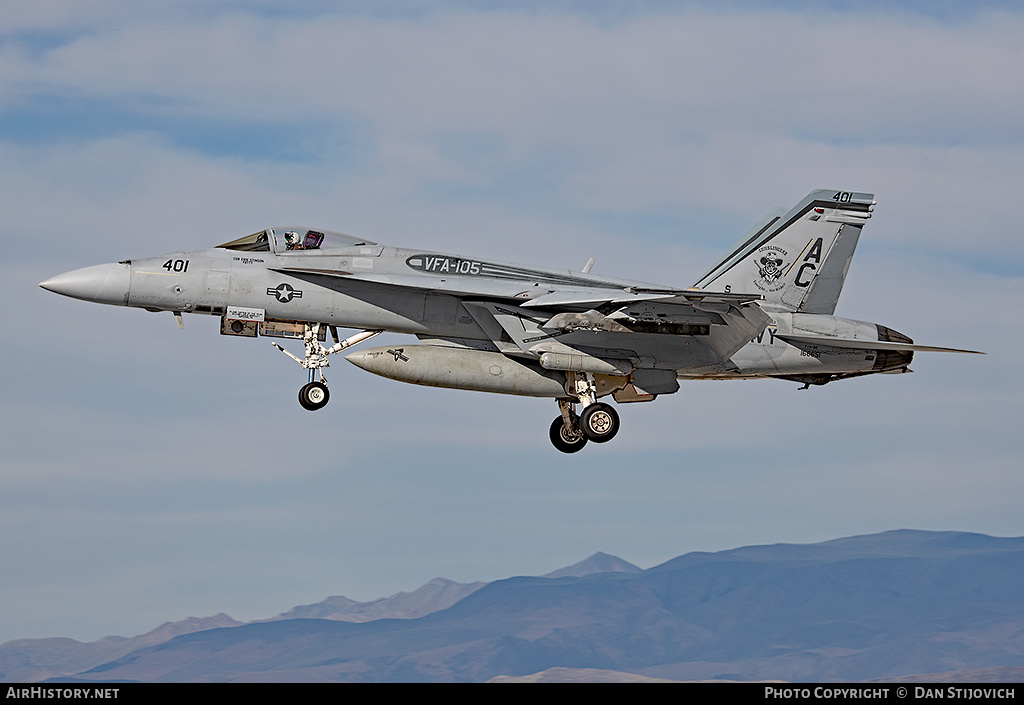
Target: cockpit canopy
(284, 239)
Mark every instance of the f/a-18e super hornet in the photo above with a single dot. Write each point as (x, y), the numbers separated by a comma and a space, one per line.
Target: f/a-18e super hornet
(765, 310)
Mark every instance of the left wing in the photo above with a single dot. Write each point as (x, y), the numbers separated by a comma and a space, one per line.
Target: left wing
(644, 334)
(615, 326)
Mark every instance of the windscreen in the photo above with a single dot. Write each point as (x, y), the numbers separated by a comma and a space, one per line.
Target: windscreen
(285, 239)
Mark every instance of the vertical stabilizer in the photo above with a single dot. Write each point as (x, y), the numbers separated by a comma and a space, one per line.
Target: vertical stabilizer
(798, 258)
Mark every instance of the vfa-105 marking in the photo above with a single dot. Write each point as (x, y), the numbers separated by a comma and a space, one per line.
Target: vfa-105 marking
(765, 310)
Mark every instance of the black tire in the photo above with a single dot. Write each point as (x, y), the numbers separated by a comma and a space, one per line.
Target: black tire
(565, 441)
(600, 422)
(314, 396)
(302, 398)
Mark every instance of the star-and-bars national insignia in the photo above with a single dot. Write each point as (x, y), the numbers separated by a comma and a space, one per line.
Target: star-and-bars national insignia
(285, 292)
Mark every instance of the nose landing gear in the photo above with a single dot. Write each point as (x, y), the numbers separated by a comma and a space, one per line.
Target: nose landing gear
(314, 394)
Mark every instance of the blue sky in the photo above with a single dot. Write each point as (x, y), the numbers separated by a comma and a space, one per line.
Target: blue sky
(150, 474)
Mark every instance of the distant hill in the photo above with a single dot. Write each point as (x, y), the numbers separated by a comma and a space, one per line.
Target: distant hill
(438, 594)
(435, 595)
(887, 605)
(25, 660)
(29, 660)
(597, 563)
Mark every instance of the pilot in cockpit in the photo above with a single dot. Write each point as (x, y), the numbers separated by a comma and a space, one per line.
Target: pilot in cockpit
(294, 241)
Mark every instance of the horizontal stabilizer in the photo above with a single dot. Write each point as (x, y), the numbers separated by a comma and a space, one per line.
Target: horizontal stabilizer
(854, 344)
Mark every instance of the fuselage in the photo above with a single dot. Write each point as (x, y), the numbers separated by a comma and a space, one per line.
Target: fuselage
(304, 286)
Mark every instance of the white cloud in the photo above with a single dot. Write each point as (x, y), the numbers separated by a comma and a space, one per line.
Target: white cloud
(696, 109)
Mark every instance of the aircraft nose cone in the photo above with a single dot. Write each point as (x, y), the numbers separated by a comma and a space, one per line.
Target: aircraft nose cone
(103, 283)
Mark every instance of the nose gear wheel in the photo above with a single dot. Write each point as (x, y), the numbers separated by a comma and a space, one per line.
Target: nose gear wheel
(314, 396)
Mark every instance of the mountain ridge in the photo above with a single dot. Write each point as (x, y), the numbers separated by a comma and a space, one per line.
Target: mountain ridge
(54, 657)
(860, 608)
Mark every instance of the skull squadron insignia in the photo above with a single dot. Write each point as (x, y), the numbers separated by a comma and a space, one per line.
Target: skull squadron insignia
(765, 310)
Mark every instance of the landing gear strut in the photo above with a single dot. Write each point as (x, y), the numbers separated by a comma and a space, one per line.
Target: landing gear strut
(598, 422)
(314, 394)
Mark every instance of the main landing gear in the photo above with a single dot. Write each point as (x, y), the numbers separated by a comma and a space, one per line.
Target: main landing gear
(314, 394)
(598, 422)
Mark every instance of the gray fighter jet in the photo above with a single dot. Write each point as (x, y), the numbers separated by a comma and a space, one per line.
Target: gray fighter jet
(765, 310)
